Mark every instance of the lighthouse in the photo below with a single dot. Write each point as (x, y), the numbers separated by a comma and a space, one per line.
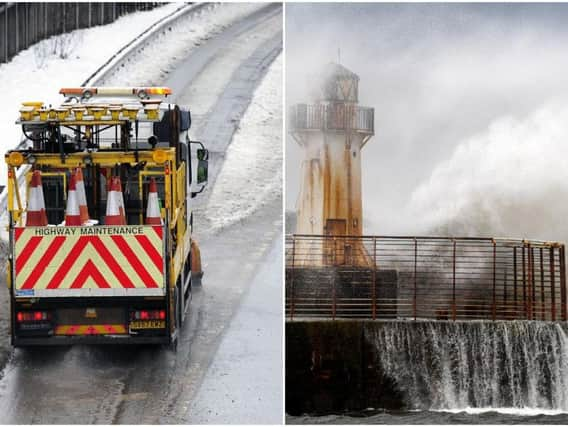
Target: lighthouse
(332, 132)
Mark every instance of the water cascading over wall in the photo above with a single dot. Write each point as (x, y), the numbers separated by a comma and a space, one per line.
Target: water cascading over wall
(453, 365)
(351, 365)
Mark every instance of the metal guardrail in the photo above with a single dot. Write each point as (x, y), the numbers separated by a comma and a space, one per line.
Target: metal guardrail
(440, 278)
(332, 117)
(129, 51)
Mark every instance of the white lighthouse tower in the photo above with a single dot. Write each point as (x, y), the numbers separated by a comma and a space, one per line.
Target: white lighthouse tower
(332, 133)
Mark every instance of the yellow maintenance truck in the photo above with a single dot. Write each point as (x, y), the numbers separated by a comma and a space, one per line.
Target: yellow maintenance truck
(100, 231)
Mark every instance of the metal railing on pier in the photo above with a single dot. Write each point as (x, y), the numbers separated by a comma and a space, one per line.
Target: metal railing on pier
(381, 277)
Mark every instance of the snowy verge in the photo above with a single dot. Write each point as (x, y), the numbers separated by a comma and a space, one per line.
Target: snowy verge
(253, 162)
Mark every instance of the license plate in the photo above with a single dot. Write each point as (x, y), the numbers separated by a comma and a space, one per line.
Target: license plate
(148, 324)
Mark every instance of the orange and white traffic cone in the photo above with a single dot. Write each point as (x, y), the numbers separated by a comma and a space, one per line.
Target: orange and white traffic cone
(121, 199)
(72, 212)
(36, 215)
(115, 204)
(80, 185)
(153, 211)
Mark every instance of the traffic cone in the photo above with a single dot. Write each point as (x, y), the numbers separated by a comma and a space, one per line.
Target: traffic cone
(36, 215)
(80, 185)
(72, 212)
(115, 204)
(120, 198)
(153, 211)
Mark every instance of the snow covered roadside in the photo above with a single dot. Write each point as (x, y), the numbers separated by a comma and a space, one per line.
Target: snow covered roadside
(253, 162)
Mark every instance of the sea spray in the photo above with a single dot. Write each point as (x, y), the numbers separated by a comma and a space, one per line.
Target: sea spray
(510, 179)
(453, 365)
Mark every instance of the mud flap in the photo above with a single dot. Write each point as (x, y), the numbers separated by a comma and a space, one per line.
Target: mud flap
(196, 270)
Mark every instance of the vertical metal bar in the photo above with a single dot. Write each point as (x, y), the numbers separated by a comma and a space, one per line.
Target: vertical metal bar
(529, 281)
(563, 282)
(6, 33)
(415, 267)
(292, 296)
(552, 285)
(533, 286)
(374, 278)
(542, 310)
(494, 305)
(334, 294)
(515, 279)
(17, 22)
(505, 286)
(64, 17)
(334, 258)
(454, 282)
(524, 283)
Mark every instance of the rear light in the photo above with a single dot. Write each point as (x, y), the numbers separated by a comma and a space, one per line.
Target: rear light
(148, 315)
(32, 316)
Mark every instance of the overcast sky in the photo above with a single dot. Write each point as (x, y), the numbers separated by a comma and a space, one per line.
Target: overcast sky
(471, 111)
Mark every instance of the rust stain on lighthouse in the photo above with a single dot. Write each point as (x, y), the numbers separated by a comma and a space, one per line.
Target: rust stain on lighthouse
(332, 131)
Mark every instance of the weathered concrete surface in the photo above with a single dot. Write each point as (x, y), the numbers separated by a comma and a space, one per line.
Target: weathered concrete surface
(330, 368)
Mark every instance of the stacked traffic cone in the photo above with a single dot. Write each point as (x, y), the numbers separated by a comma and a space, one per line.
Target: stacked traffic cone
(115, 204)
(36, 215)
(72, 212)
(80, 184)
(153, 210)
(120, 197)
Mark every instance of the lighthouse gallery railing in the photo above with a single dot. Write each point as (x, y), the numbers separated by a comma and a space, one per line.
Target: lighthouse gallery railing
(424, 278)
(342, 117)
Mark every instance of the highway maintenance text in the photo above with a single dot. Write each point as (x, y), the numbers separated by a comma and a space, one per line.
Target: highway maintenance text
(87, 231)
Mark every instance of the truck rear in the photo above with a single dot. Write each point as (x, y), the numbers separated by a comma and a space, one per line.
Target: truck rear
(102, 249)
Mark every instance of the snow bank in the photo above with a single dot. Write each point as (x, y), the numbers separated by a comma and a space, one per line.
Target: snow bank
(253, 163)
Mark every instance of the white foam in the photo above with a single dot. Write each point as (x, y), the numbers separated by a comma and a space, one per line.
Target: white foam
(528, 412)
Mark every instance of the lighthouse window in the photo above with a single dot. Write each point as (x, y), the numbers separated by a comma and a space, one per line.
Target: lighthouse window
(354, 154)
